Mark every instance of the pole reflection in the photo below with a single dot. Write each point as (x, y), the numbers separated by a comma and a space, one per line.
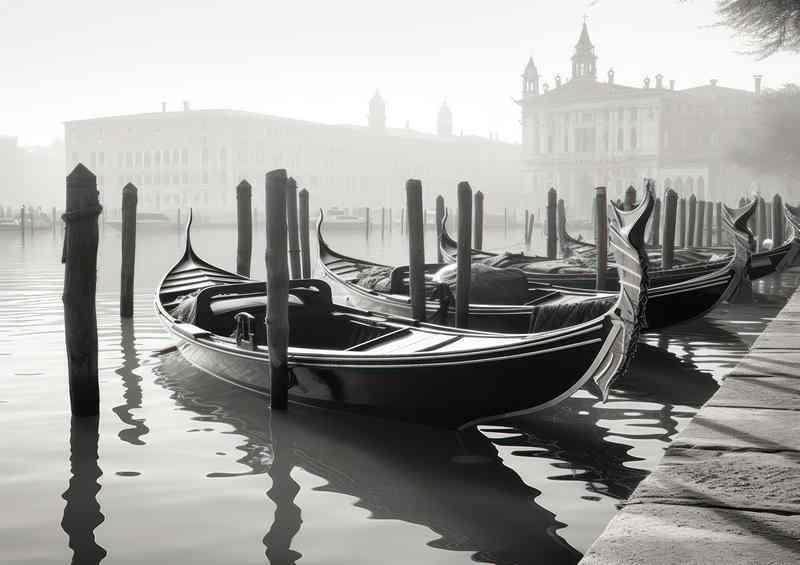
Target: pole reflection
(131, 383)
(82, 512)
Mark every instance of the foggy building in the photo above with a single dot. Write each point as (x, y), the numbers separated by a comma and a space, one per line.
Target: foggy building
(197, 157)
(583, 132)
(10, 170)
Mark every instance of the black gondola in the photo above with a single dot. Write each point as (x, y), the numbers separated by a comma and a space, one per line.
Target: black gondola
(581, 275)
(390, 366)
(696, 296)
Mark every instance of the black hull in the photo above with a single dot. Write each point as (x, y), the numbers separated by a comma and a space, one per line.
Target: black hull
(454, 394)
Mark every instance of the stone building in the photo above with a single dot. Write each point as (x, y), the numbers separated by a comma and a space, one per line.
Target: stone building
(197, 157)
(583, 132)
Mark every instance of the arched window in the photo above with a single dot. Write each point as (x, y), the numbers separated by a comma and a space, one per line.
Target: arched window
(620, 139)
(166, 156)
(634, 140)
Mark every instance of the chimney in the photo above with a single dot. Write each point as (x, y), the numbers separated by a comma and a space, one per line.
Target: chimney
(713, 82)
(757, 84)
(672, 84)
(185, 105)
(610, 76)
(163, 106)
(647, 82)
(659, 81)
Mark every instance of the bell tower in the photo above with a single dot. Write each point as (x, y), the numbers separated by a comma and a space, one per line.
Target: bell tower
(584, 61)
(444, 123)
(530, 80)
(377, 112)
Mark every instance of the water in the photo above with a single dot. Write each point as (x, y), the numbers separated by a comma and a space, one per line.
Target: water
(180, 467)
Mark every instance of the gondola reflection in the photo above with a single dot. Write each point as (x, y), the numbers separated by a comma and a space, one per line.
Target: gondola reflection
(453, 483)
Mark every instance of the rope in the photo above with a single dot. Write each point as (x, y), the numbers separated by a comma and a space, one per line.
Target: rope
(81, 213)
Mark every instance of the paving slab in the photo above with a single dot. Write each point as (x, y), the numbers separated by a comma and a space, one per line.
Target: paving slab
(740, 429)
(700, 477)
(763, 363)
(660, 534)
(759, 392)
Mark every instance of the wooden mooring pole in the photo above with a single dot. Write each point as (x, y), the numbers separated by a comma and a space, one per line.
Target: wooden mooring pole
(691, 224)
(655, 227)
(22, 220)
(552, 198)
(305, 248)
(80, 285)
(709, 229)
(525, 233)
(439, 218)
(701, 215)
(464, 259)
(244, 228)
(366, 221)
(761, 223)
(718, 213)
(383, 223)
(53, 219)
(670, 216)
(129, 202)
(630, 198)
(778, 226)
(681, 222)
(291, 225)
(478, 231)
(416, 249)
(601, 237)
(277, 289)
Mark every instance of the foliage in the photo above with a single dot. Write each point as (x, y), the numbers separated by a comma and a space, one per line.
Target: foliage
(772, 146)
(771, 25)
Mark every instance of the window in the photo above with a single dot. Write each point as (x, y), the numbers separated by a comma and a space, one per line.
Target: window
(620, 139)
(633, 138)
(166, 156)
(185, 156)
(634, 114)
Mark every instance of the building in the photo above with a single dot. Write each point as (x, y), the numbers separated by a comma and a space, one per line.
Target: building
(197, 157)
(584, 132)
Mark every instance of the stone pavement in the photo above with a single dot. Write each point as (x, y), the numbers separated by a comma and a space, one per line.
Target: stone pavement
(728, 488)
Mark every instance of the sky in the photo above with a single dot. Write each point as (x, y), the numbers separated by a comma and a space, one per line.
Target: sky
(321, 60)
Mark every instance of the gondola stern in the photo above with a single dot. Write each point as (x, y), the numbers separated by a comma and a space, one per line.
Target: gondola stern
(792, 257)
(736, 221)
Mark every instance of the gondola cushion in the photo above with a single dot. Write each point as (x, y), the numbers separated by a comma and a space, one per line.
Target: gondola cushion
(489, 285)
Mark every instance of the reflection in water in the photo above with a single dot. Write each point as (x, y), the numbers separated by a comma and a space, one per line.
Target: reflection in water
(453, 483)
(82, 511)
(131, 383)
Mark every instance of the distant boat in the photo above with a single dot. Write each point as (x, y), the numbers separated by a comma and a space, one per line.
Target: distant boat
(148, 221)
(339, 218)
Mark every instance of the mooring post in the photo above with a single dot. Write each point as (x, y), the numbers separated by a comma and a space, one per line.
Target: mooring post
(305, 248)
(552, 198)
(529, 228)
(402, 221)
(22, 220)
(681, 222)
(561, 224)
(505, 221)
(439, 218)
(244, 228)
(478, 231)
(464, 260)
(718, 226)
(778, 227)
(129, 202)
(630, 198)
(701, 214)
(277, 289)
(691, 224)
(416, 249)
(601, 237)
(390, 220)
(525, 232)
(53, 219)
(762, 223)
(80, 285)
(670, 215)
(383, 223)
(291, 225)
(768, 220)
(656, 227)
(366, 221)
(709, 229)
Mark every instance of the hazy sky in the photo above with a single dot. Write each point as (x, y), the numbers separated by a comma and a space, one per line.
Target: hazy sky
(322, 60)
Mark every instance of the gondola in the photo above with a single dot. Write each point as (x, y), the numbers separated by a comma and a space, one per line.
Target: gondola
(667, 305)
(386, 365)
(582, 276)
(579, 273)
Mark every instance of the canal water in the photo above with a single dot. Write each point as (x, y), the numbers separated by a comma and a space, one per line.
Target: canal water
(182, 468)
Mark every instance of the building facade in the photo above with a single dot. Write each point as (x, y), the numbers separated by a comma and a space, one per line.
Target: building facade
(584, 132)
(197, 157)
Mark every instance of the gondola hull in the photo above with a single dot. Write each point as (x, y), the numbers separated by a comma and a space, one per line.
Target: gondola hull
(450, 393)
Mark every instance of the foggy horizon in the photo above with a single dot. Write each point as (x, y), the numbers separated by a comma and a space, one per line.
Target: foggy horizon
(323, 65)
